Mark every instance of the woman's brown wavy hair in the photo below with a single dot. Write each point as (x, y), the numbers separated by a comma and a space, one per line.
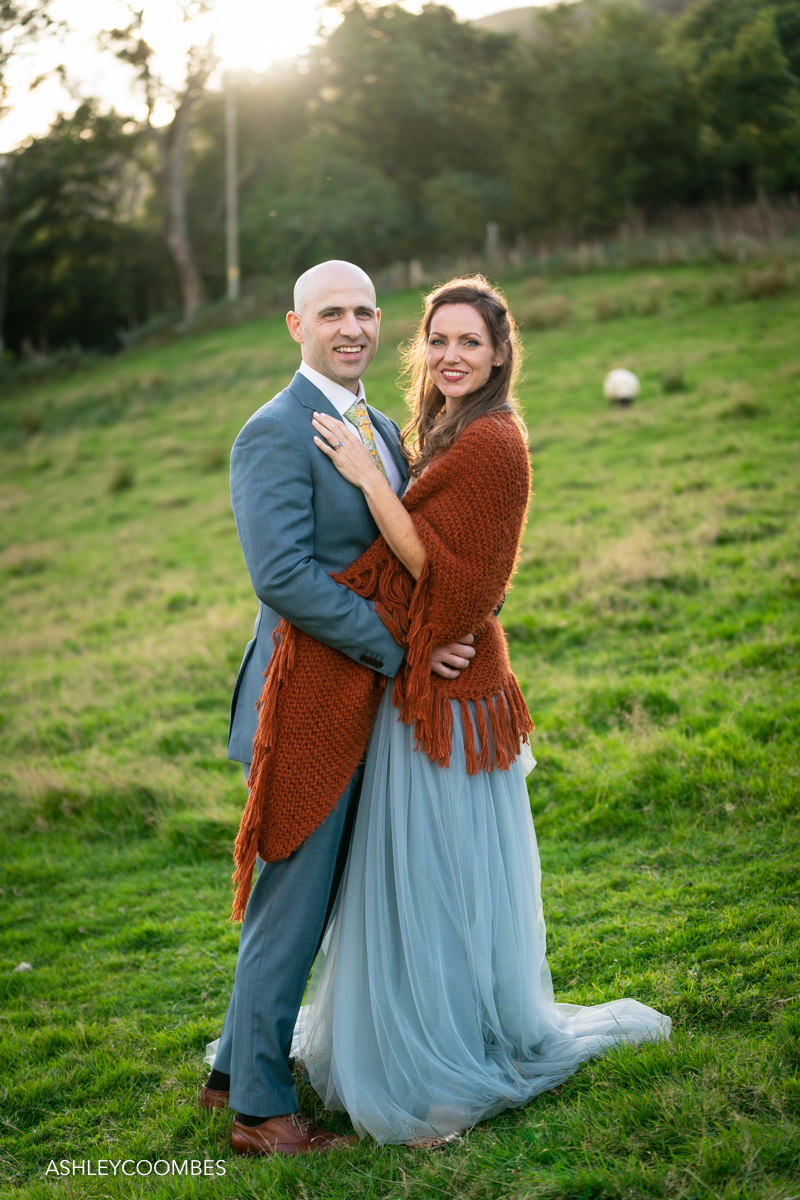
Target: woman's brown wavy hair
(430, 431)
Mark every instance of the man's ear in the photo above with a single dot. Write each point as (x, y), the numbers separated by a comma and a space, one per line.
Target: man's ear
(295, 325)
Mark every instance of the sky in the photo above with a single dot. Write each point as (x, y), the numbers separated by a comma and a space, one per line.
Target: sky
(248, 34)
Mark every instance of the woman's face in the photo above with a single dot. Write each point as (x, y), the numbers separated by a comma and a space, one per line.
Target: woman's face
(460, 353)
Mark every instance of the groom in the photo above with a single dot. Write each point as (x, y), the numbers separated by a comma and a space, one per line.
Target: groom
(298, 520)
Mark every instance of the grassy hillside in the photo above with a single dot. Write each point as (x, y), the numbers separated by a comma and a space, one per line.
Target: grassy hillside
(654, 627)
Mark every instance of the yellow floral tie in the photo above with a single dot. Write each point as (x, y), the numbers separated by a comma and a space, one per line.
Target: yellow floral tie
(357, 415)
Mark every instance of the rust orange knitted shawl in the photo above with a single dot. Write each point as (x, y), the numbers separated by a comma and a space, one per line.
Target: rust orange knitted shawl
(318, 705)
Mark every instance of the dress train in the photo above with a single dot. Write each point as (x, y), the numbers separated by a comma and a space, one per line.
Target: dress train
(431, 1005)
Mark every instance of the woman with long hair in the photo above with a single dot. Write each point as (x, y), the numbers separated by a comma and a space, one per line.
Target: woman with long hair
(430, 1006)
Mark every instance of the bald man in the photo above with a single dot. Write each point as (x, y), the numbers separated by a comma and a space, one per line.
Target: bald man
(298, 520)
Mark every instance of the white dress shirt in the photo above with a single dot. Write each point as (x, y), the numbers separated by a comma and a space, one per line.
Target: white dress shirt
(341, 398)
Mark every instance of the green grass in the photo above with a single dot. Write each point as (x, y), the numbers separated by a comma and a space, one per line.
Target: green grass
(653, 626)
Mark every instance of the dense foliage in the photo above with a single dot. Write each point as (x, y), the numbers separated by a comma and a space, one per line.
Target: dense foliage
(403, 135)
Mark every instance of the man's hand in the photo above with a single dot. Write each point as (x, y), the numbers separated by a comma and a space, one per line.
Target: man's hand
(450, 660)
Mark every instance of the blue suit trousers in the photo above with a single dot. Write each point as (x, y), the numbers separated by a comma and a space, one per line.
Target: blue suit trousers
(282, 929)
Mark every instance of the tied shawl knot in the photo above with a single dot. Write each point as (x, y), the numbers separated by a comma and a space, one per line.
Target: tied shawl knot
(318, 705)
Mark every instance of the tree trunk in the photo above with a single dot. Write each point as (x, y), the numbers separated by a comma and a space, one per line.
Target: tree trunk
(3, 293)
(6, 243)
(180, 248)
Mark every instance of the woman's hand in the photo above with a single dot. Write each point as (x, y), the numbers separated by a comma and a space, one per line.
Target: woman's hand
(344, 448)
(354, 463)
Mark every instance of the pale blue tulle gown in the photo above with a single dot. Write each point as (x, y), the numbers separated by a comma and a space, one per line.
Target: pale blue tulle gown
(430, 1006)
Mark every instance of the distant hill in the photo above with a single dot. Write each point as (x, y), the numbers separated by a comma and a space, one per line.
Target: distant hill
(510, 20)
(523, 20)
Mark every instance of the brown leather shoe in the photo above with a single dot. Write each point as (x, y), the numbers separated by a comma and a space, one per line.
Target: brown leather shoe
(210, 1098)
(292, 1134)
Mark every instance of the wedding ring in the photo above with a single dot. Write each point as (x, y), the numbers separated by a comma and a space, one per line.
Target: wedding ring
(338, 445)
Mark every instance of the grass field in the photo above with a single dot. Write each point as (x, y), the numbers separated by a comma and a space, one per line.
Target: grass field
(654, 627)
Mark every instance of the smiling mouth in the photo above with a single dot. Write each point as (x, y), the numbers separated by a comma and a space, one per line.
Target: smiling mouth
(349, 350)
(453, 376)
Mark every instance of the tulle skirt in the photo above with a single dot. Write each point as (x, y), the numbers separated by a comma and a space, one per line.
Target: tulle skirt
(430, 1005)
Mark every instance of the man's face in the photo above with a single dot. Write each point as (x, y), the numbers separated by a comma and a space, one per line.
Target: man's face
(337, 326)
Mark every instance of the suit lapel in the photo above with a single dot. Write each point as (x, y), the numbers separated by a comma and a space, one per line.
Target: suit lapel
(311, 397)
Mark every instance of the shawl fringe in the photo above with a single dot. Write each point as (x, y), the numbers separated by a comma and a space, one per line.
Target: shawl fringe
(246, 845)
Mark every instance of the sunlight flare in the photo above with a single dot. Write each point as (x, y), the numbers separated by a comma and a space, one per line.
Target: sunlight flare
(249, 37)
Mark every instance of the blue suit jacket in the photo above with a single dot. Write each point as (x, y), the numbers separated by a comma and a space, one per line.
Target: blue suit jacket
(298, 520)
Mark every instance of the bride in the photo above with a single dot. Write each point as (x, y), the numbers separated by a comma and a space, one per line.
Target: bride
(431, 1005)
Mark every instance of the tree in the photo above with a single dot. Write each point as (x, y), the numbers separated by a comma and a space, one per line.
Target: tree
(458, 206)
(606, 122)
(20, 23)
(412, 95)
(739, 58)
(272, 127)
(80, 263)
(131, 47)
(709, 26)
(334, 207)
